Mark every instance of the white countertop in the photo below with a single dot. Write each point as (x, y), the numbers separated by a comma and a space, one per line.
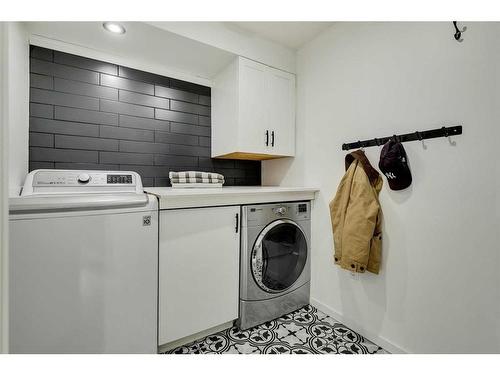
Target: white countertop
(231, 195)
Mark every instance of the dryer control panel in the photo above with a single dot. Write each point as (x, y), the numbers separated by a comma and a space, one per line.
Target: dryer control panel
(264, 213)
(57, 181)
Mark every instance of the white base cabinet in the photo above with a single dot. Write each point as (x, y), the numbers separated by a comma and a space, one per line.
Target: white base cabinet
(198, 270)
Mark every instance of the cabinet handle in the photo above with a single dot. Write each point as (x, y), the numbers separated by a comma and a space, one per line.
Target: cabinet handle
(237, 223)
(267, 137)
(272, 138)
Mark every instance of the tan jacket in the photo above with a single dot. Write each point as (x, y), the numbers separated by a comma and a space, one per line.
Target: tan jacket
(356, 216)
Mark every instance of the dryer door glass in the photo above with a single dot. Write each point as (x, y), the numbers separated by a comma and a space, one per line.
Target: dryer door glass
(279, 256)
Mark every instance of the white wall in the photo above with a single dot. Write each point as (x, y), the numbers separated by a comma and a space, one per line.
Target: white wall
(229, 37)
(14, 120)
(3, 197)
(17, 79)
(438, 290)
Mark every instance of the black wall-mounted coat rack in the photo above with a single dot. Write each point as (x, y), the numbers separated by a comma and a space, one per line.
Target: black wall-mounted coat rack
(416, 136)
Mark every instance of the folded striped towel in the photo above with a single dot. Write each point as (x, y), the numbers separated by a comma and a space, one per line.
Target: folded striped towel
(196, 185)
(195, 177)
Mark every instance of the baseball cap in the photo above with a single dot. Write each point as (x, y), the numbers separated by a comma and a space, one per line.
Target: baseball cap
(394, 165)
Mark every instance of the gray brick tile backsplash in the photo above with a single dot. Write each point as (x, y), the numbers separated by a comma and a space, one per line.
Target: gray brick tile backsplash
(127, 84)
(247, 181)
(164, 114)
(85, 143)
(144, 147)
(88, 166)
(180, 139)
(204, 120)
(189, 129)
(125, 158)
(63, 71)
(176, 161)
(53, 154)
(205, 141)
(85, 63)
(41, 139)
(143, 123)
(41, 53)
(83, 115)
(149, 181)
(204, 100)
(146, 171)
(189, 86)
(82, 88)
(63, 99)
(233, 172)
(41, 110)
(189, 150)
(176, 94)
(126, 109)
(41, 165)
(43, 125)
(142, 99)
(161, 181)
(41, 82)
(139, 75)
(89, 114)
(206, 162)
(217, 163)
(189, 108)
(127, 133)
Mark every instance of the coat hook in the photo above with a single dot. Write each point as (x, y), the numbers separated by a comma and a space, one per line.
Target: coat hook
(448, 136)
(421, 139)
(376, 141)
(458, 32)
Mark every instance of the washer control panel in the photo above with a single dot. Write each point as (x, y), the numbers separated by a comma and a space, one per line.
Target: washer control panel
(119, 178)
(54, 181)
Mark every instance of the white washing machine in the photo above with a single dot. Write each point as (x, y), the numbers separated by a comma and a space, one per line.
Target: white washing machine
(275, 261)
(83, 262)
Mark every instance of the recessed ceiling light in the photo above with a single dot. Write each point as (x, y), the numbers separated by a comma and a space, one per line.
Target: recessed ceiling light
(114, 27)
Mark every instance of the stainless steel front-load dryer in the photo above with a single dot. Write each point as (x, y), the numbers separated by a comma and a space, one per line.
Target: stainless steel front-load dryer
(275, 261)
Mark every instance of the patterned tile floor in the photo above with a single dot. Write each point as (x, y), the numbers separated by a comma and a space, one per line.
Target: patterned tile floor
(304, 331)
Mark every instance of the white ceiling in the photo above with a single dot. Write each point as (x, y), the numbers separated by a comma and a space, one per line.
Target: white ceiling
(290, 34)
(143, 47)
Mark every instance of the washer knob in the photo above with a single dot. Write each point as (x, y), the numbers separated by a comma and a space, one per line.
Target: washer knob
(84, 178)
(281, 211)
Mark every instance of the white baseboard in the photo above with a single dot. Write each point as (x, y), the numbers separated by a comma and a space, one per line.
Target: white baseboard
(373, 337)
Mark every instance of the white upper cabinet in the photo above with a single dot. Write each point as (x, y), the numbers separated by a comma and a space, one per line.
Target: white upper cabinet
(253, 112)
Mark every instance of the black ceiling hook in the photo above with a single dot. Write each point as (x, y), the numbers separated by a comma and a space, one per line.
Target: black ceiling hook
(458, 32)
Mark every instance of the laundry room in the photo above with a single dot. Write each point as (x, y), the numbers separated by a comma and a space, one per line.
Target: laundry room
(234, 185)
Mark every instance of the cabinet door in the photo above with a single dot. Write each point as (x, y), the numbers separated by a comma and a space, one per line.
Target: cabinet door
(253, 105)
(281, 96)
(198, 270)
